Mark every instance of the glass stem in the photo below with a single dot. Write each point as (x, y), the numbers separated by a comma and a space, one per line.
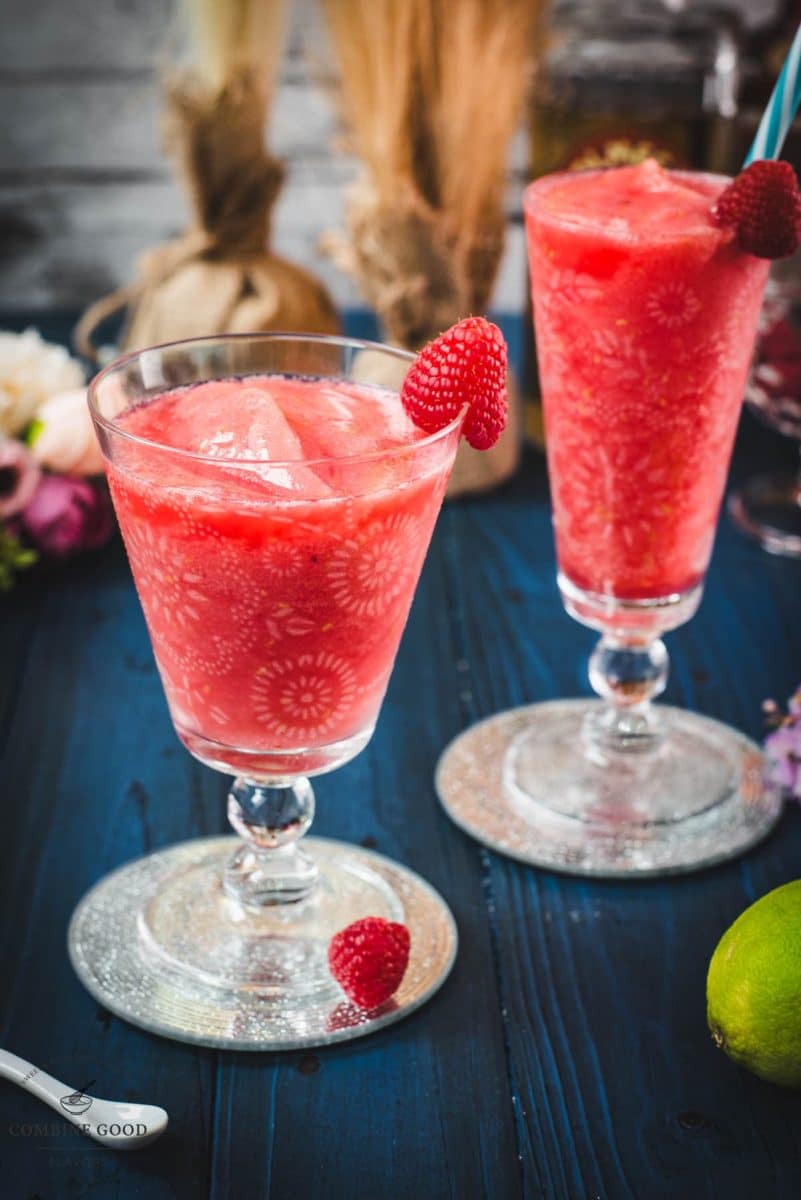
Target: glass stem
(627, 674)
(271, 818)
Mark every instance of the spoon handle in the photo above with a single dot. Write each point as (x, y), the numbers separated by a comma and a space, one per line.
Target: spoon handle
(45, 1086)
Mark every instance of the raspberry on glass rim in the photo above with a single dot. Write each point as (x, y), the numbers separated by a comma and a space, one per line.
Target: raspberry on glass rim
(763, 207)
(464, 367)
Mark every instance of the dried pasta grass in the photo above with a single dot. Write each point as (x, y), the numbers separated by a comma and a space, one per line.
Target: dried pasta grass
(431, 92)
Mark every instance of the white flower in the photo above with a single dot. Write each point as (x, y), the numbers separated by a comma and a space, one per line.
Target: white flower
(31, 370)
(66, 440)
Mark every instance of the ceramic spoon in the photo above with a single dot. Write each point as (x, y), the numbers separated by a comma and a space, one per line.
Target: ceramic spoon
(110, 1122)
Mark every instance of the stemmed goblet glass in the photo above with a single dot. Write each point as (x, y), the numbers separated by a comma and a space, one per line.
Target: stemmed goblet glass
(275, 580)
(645, 315)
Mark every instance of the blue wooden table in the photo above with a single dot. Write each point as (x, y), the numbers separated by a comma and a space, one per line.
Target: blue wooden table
(567, 1057)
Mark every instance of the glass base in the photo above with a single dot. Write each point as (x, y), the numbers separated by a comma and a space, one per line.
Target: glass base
(159, 943)
(526, 783)
(265, 764)
(637, 619)
(768, 508)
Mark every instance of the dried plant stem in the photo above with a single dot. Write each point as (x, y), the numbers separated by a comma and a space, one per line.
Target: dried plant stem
(229, 35)
(431, 93)
(472, 123)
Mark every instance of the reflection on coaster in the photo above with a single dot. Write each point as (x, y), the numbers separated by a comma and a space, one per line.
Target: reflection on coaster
(160, 944)
(521, 783)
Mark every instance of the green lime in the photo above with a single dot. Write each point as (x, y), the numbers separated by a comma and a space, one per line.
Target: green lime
(753, 989)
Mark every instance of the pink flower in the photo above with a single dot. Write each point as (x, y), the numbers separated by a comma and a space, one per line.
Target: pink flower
(66, 516)
(65, 439)
(19, 477)
(783, 750)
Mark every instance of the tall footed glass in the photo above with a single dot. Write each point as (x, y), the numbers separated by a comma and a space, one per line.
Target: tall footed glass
(276, 506)
(645, 316)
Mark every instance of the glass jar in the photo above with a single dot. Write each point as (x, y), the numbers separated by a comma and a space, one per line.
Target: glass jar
(620, 82)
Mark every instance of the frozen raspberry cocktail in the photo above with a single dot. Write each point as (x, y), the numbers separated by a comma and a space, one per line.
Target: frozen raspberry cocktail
(646, 314)
(276, 502)
(645, 305)
(276, 591)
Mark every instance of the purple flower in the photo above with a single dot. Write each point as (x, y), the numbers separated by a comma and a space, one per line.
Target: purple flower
(66, 516)
(19, 477)
(783, 750)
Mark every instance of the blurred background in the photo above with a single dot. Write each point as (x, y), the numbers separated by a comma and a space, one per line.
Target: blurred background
(85, 185)
(175, 168)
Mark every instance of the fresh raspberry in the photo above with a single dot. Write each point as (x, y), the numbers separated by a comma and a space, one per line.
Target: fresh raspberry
(368, 959)
(763, 204)
(465, 365)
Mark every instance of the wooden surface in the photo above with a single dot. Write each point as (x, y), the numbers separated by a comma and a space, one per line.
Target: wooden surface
(567, 1057)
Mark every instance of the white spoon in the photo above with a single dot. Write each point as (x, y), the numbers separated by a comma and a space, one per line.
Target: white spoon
(112, 1123)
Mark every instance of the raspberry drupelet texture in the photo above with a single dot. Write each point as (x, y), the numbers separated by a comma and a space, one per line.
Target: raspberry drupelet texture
(763, 205)
(465, 366)
(368, 959)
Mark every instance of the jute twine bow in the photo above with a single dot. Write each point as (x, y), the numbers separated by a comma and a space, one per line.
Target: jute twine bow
(219, 276)
(411, 268)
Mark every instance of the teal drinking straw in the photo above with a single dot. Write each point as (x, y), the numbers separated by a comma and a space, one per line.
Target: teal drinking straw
(782, 107)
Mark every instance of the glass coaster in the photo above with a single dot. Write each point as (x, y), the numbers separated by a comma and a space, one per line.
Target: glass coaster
(143, 942)
(522, 783)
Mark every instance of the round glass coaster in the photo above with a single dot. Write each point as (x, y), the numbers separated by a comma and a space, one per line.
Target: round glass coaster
(523, 783)
(159, 943)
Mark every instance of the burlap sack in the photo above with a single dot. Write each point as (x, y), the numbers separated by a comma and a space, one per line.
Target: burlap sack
(220, 276)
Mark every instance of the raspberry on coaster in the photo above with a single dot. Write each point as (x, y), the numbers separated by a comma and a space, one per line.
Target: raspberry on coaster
(368, 959)
(465, 365)
(763, 205)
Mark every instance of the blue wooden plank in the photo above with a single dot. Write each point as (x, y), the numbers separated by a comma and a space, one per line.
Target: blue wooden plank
(424, 1106)
(619, 1091)
(91, 749)
(19, 612)
(92, 775)
(572, 1032)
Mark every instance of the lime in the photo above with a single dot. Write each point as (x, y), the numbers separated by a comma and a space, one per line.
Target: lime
(753, 989)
